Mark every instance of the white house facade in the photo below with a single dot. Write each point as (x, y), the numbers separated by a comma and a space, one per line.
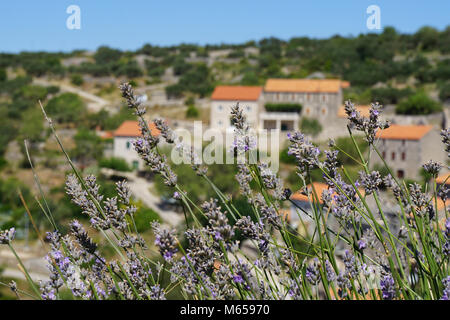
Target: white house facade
(123, 148)
(225, 97)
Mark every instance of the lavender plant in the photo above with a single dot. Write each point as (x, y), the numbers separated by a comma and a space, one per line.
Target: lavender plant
(352, 253)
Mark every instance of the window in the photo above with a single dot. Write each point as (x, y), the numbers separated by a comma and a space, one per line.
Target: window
(308, 97)
(135, 164)
(293, 97)
(403, 156)
(307, 111)
(393, 156)
(324, 111)
(219, 122)
(400, 173)
(278, 96)
(324, 98)
(384, 154)
(403, 142)
(220, 108)
(249, 109)
(128, 144)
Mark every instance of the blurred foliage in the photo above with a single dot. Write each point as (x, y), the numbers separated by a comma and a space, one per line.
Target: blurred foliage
(66, 108)
(347, 151)
(310, 126)
(114, 163)
(417, 104)
(88, 147)
(76, 79)
(283, 107)
(192, 112)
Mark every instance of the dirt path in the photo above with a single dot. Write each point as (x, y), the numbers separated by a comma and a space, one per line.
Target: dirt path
(95, 103)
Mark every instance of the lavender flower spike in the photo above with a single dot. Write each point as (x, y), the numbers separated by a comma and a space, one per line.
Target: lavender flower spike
(7, 236)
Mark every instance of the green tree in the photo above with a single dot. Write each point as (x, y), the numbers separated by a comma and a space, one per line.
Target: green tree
(88, 147)
(427, 38)
(3, 75)
(76, 79)
(310, 126)
(444, 92)
(418, 103)
(347, 151)
(32, 126)
(105, 55)
(114, 163)
(192, 112)
(67, 108)
(8, 129)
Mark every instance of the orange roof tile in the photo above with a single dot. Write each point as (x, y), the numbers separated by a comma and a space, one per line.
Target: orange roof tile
(303, 85)
(106, 134)
(237, 93)
(319, 187)
(443, 178)
(441, 205)
(363, 110)
(345, 84)
(131, 128)
(286, 214)
(400, 132)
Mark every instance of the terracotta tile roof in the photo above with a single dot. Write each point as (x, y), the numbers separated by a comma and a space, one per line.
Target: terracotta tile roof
(443, 178)
(107, 134)
(130, 128)
(345, 84)
(304, 85)
(319, 187)
(286, 214)
(237, 93)
(364, 110)
(400, 132)
(441, 205)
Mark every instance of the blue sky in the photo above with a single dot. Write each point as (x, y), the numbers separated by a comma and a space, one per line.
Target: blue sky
(41, 25)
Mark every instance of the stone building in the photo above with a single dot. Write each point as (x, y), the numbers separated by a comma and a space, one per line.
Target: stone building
(320, 98)
(406, 148)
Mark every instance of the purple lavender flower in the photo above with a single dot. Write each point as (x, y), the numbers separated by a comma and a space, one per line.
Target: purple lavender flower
(331, 275)
(362, 244)
(351, 269)
(445, 134)
(312, 273)
(7, 236)
(432, 167)
(446, 291)
(238, 278)
(387, 286)
(371, 182)
(165, 241)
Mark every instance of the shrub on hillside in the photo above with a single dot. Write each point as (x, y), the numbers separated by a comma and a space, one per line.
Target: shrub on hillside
(192, 112)
(76, 79)
(66, 108)
(115, 163)
(310, 126)
(418, 104)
